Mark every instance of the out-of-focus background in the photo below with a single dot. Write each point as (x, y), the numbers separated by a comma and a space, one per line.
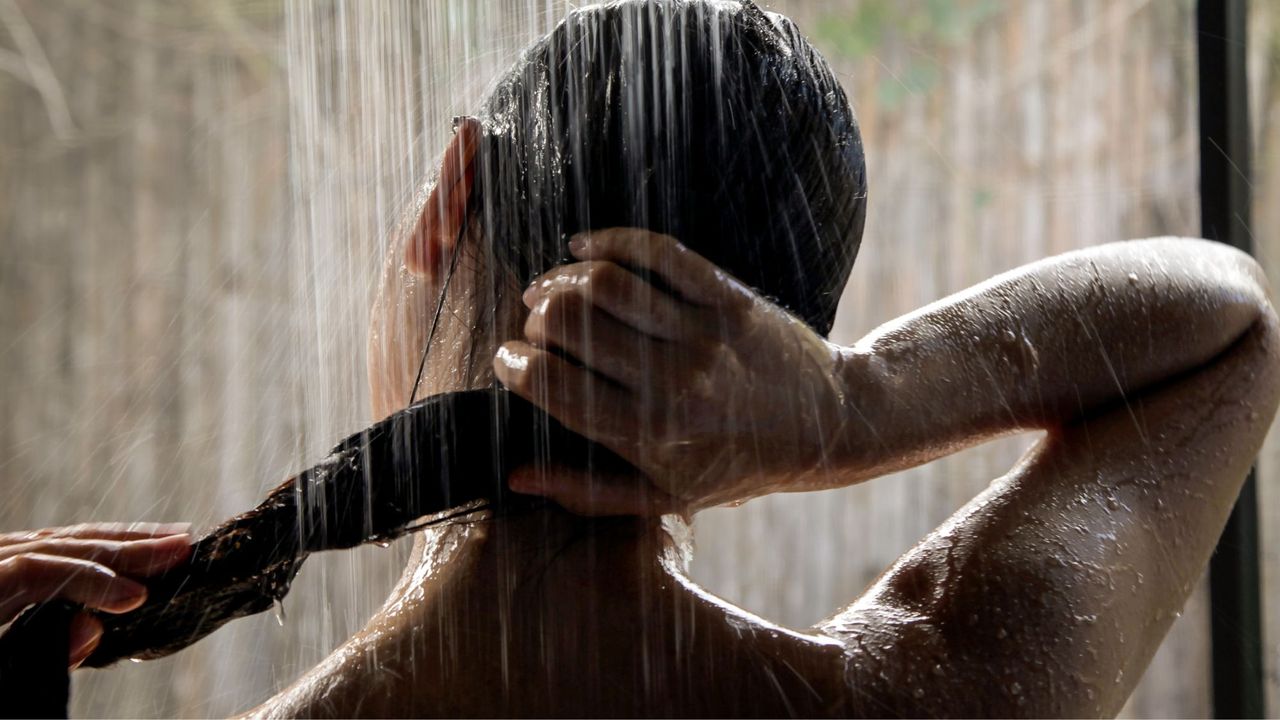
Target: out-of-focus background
(194, 199)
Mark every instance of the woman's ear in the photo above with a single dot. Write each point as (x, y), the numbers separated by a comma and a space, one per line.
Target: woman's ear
(430, 247)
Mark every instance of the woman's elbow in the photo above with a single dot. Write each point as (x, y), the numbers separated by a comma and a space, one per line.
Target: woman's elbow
(1228, 280)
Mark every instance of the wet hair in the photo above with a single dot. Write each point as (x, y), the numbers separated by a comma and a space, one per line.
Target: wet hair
(713, 122)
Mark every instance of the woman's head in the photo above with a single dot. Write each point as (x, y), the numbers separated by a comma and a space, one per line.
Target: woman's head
(713, 122)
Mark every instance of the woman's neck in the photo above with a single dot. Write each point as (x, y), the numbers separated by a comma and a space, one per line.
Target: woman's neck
(522, 546)
(483, 604)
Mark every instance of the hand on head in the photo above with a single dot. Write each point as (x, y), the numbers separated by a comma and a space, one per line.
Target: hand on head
(95, 565)
(714, 394)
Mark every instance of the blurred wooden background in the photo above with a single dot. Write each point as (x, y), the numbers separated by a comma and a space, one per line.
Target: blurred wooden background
(169, 346)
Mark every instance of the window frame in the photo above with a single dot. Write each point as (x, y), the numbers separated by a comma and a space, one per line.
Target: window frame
(1225, 201)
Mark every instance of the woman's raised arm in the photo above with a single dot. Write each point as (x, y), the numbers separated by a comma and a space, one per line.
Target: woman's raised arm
(716, 395)
(1048, 594)
(1042, 346)
(1154, 367)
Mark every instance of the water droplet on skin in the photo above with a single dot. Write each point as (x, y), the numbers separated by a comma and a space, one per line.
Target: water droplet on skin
(1010, 336)
(937, 669)
(918, 693)
(1002, 634)
(1133, 278)
(135, 660)
(1016, 689)
(973, 619)
(280, 613)
(383, 543)
(1113, 504)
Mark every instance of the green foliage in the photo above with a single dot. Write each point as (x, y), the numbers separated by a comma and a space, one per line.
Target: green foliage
(924, 27)
(982, 197)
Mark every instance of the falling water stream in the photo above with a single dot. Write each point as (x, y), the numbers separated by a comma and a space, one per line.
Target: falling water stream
(216, 292)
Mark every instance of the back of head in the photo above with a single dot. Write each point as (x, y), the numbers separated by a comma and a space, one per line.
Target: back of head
(713, 122)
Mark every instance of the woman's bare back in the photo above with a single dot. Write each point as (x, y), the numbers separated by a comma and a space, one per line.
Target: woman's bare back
(1046, 595)
(546, 614)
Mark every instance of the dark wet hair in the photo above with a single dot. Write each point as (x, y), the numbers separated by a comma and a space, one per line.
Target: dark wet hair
(713, 122)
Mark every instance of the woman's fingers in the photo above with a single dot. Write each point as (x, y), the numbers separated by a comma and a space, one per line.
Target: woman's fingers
(33, 578)
(139, 558)
(691, 276)
(582, 401)
(568, 322)
(617, 291)
(86, 631)
(99, 531)
(83, 564)
(586, 493)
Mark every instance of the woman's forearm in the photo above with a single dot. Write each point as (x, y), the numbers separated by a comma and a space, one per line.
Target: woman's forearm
(1039, 347)
(715, 394)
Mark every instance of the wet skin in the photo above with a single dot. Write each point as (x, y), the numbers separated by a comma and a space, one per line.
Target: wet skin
(1046, 595)
(549, 615)
(1152, 368)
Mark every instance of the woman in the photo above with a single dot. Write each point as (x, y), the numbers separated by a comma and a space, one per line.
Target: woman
(698, 168)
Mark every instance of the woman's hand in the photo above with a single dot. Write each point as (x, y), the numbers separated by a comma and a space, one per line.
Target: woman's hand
(710, 391)
(93, 565)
